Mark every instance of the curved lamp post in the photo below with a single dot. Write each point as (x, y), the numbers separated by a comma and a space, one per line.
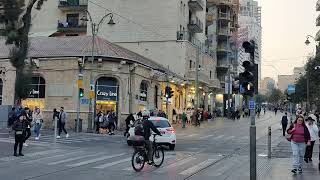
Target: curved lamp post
(94, 31)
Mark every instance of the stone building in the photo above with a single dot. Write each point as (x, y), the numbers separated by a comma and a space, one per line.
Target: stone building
(124, 81)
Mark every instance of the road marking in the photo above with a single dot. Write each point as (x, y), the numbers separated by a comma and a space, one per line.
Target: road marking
(191, 135)
(198, 167)
(165, 158)
(36, 143)
(112, 163)
(174, 165)
(33, 154)
(75, 158)
(50, 157)
(94, 160)
(229, 138)
(218, 137)
(204, 137)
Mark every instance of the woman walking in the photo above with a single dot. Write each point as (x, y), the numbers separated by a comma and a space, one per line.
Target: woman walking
(300, 136)
(37, 120)
(314, 131)
(20, 129)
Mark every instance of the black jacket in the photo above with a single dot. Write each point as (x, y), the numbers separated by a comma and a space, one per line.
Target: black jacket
(19, 126)
(147, 125)
(284, 120)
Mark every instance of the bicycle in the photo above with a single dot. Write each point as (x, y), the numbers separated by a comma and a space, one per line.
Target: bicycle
(140, 155)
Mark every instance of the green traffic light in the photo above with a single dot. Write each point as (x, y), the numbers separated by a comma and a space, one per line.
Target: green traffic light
(81, 92)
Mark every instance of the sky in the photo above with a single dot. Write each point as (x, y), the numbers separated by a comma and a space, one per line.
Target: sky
(285, 25)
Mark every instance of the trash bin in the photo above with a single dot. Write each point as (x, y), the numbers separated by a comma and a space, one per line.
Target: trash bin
(80, 125)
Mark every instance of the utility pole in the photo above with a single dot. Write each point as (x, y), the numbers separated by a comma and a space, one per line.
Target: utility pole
(167, 97)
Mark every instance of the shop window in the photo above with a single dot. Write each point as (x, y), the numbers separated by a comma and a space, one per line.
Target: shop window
(107, 94)
(1, 91)
(143, 91)
(36, 97)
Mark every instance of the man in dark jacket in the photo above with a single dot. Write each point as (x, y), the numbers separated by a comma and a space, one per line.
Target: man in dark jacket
(284, 123)
(147, 127)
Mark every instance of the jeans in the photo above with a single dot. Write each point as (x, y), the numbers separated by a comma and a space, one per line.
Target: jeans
(37, 128)
(62, 127)
(284, 128)
(150, 149)
(309, 151)
(298, 151)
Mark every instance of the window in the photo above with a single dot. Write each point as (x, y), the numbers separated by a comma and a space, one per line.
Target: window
(1, 91)
(160, 123)
(210, 74)
(190, 64)
(143, 91)
(73, 20)
(38, 87)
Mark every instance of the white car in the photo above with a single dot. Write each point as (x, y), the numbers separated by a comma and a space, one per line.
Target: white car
(168, 137)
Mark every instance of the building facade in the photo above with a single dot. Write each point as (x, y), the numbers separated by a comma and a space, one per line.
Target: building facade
(250, 29)
(266, 85)
(285, 80)
(124, 82)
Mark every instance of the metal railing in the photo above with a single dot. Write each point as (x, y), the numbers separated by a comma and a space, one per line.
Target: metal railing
(72, 3)
(70, 24)
(200, 2)
(196, 21)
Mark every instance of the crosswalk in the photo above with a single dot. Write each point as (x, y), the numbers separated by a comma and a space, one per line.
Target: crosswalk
(182, 163)
(209, 137)
(48, 140)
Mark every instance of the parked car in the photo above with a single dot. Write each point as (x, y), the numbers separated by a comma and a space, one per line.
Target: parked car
(168, 137)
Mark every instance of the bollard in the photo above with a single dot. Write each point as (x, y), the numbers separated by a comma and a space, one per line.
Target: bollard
(269, 142)
(55, 129)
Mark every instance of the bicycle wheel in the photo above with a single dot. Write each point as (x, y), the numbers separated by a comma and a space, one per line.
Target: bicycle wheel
(158, 157)
(138, 161)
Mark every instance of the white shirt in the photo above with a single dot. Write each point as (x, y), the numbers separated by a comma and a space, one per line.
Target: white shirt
(313, 130)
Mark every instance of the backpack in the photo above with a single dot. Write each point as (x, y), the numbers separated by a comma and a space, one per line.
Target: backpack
(138, 130)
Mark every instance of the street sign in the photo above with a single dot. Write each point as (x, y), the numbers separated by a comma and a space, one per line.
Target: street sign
(291, 89)
(251, 105)
(241, 89)
(85, 101)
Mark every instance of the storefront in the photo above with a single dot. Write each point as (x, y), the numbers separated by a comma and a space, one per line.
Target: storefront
(1, 91)
(107, 94)
(143, 96)
(37, 94)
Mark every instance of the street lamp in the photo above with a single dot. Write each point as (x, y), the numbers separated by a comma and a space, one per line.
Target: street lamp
(94, 31)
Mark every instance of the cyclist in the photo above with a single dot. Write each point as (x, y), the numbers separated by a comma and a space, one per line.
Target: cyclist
(147, 127)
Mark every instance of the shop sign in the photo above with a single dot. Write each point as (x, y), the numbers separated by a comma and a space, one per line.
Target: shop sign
(85, 101)
(109, 93)
(37, 91)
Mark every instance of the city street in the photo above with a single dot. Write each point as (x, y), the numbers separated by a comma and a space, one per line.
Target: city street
(217, 149)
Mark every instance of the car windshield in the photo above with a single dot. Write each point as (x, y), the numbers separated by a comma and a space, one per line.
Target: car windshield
(160, 123)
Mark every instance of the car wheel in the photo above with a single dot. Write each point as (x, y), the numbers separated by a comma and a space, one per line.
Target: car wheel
(172, 146)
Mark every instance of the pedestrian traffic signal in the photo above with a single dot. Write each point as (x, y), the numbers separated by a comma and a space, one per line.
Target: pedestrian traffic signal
(248, 79)
(168, 92)
(81, 92)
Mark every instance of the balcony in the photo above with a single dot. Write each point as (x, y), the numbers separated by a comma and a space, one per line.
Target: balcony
(224, 32)
(214, 83)
(318, 5)
(223, 49)
(209, 19)
(73, 5)
(71, 27)
(196, 5)
(318, 21)
(224, 16)
(220, 2)
(222, 65)
(202, 76)
(195, 25)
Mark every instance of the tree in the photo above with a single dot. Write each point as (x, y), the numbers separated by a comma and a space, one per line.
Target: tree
(275, 96)
(17, 19)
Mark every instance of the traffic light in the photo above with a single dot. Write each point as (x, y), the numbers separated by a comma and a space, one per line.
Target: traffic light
(168, 92)
(288, 96)
(81, 92)
(248, 79)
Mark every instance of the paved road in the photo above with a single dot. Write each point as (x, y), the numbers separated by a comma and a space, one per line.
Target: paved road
(216, 150)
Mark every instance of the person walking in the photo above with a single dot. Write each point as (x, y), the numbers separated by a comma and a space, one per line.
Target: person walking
(314, 132)
(19, 127)
(130, 119)
(111, 120)
(198, 118)
(184, 119)
(62, 122)
(37, 119)
(98, 120)
(284, 123)
(55, 116)
(28, 126)
(300, 136)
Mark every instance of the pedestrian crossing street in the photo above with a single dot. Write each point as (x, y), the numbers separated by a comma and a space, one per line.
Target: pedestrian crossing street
(181, 163)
